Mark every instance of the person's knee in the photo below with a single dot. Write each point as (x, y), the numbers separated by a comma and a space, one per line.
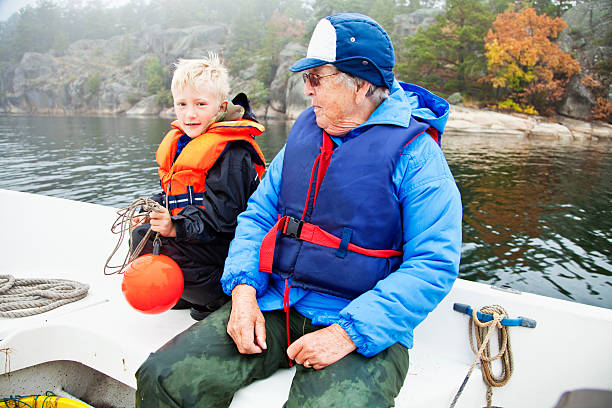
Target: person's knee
(147, 380)
(139, 233)
(149, 372)
(354, 381)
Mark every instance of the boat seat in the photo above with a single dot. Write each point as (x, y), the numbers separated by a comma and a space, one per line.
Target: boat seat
(436, 385)
(585, 398)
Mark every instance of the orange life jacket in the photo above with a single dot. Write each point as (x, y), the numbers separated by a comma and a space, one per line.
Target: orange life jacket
(183, 181)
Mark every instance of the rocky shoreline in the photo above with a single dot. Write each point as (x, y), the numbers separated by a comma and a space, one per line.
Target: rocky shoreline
(464, 120)
(101, 78)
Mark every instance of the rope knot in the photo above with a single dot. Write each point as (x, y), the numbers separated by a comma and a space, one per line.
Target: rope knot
(130, 217)
(482, 332)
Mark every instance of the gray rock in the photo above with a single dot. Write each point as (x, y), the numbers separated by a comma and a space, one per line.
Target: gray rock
(455, 98)
(579, 129)
(44, 83)
(296, 101)
(34, 68)
(463, 120)
(602, 131)
(279, 86)
(190, 42)
(407, 25)
(147, 106)
(198, 41)
(555, 131)
(578, 101)
(167, 113)
(113, 98)
(587, 38)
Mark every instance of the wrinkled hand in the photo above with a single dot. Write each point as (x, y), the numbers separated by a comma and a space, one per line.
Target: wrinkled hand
(321, 348)
(162, 222)
(246, 324)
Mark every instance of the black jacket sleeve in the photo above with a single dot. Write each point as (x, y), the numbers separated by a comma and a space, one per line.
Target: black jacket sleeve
(229, 184)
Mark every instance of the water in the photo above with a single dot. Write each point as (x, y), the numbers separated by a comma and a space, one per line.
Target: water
(537, 214)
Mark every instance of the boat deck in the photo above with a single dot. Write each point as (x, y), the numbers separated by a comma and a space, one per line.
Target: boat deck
(54, 238)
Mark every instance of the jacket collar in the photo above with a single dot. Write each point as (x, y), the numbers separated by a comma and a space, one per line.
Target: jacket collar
(405, 101)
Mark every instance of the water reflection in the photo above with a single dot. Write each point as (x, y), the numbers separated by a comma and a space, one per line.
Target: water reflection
(101, 160)
(274, 138)
(537, 214)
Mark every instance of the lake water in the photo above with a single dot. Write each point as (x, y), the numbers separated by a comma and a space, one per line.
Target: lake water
(537, 214)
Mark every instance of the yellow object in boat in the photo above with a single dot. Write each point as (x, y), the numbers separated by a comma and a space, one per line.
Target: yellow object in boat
(42, 401)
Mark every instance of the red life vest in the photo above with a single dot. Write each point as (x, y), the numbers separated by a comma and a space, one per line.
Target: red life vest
(183, 181)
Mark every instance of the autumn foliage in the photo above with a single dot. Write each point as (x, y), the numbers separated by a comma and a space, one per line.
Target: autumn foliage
(523, 61)
(602, 109)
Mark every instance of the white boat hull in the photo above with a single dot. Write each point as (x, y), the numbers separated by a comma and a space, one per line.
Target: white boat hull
(49, 238)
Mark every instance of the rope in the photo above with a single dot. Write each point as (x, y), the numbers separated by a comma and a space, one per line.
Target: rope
(50, 399)
(483, 332)
(27, 297)
(139, 209)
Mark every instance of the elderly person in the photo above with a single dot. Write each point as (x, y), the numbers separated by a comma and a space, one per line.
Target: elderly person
(351, 239)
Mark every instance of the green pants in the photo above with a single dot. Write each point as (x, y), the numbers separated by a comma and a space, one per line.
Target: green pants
(201, 367)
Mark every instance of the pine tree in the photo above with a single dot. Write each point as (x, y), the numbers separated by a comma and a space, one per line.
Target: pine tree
(448, 56)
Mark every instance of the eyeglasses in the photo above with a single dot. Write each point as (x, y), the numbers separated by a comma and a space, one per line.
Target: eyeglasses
(315, 79)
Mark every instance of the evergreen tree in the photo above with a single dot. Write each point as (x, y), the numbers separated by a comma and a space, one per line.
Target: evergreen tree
(448, 56)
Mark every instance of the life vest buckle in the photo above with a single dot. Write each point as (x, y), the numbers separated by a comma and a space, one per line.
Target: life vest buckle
(292, 227)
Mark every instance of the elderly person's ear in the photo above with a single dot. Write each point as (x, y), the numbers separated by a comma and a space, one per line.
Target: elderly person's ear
(362, 91)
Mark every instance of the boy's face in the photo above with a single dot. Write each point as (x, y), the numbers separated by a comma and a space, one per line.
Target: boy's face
(195, 107)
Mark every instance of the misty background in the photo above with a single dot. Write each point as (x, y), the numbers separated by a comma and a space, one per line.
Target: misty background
(115, 56)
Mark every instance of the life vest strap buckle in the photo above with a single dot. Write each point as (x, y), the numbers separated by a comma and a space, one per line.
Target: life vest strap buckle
(292, 227)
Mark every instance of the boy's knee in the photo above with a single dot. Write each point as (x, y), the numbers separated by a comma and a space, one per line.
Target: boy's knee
(139, 232)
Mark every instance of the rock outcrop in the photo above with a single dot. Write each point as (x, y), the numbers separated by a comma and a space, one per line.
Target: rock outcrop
(145, 107)
(464, 120)
(101, 76)
(407, 25)
(587, 38)
(287, 90)
(110, 77)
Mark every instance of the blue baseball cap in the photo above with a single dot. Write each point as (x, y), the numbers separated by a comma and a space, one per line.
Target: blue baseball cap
(355, 44)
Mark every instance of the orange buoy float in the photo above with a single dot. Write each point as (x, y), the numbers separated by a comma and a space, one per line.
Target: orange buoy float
(152, 283)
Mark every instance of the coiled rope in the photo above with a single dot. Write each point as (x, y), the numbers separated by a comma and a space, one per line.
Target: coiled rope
(483, 331)
(27, 297)
(126, 222)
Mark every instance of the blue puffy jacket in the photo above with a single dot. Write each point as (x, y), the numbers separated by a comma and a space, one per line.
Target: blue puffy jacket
(431, 219)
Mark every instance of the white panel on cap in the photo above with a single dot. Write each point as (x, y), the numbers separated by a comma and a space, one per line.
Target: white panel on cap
(323, 42)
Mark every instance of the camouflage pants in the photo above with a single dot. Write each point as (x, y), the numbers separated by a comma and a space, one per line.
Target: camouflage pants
(201, 367)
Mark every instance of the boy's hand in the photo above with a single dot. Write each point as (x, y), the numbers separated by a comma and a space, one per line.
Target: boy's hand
(139, 220)
(162, 222)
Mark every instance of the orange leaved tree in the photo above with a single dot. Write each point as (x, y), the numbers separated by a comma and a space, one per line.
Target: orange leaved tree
(524, 63)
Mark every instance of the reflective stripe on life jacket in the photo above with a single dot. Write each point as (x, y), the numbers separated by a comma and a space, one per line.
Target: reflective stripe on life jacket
(184, 180)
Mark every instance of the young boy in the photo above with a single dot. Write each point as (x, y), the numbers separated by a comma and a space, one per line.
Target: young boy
(209, 165)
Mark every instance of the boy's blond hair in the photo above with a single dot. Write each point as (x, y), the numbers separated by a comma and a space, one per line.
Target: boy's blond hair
(208, 71)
